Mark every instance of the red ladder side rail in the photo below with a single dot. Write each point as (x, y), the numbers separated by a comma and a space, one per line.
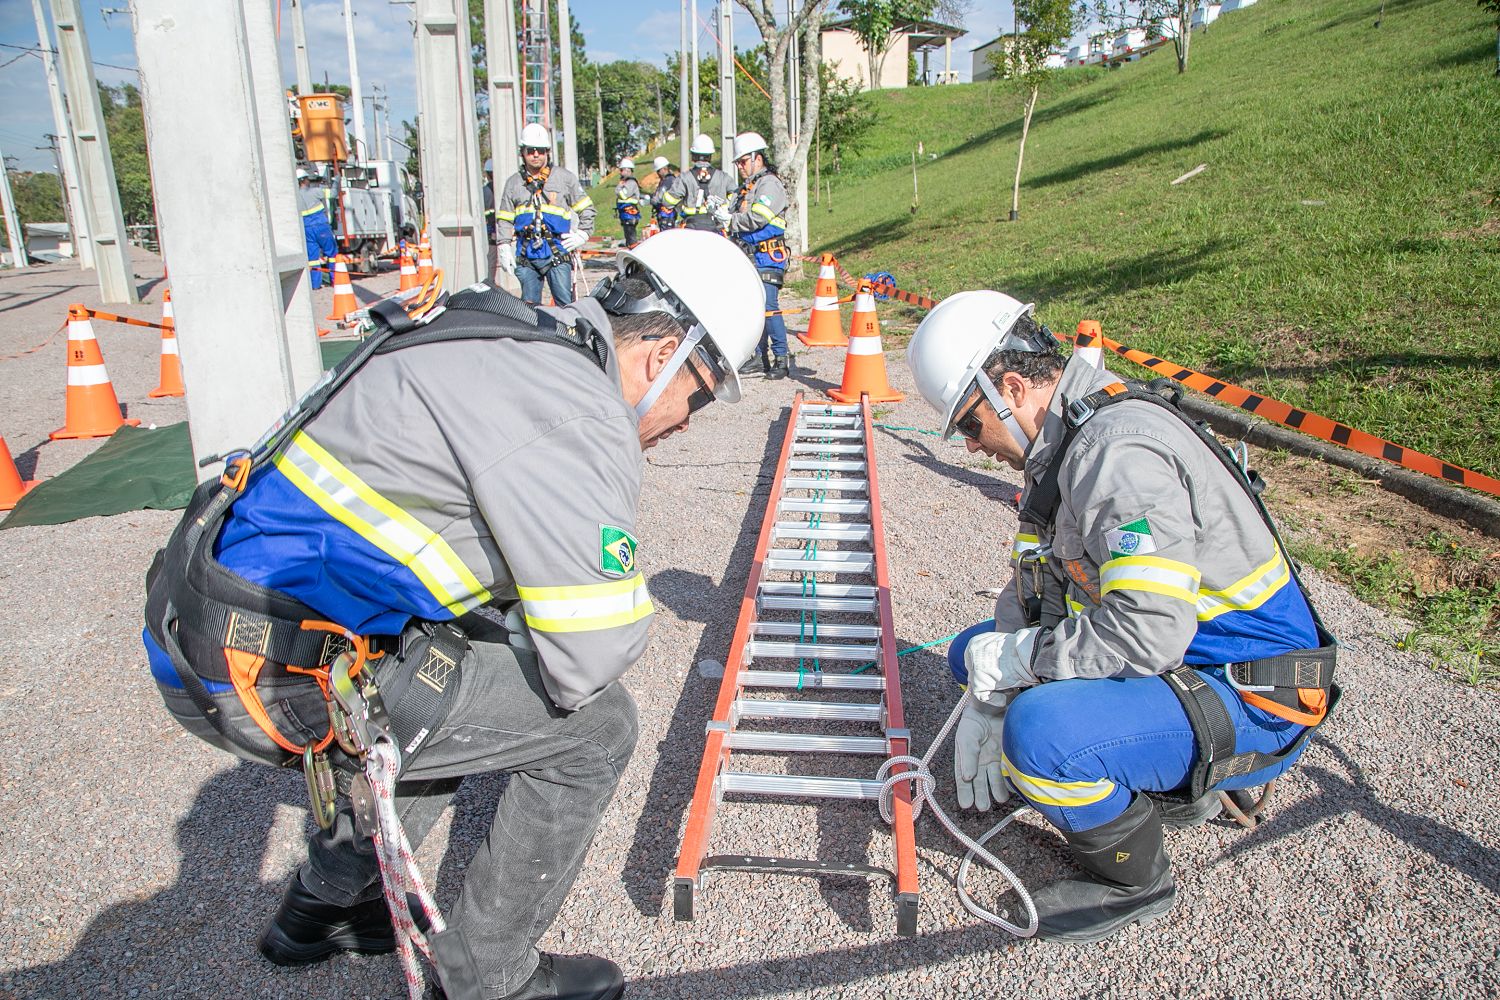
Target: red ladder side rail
(900, 738)
(700, 823)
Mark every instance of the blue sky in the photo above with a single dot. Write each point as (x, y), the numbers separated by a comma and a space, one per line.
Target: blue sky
(645, 29)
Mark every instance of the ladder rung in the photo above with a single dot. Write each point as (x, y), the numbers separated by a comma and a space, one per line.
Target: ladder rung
(756, 708)
(841, 485)
(828, 449)
(796, 743)
(829, 432)
(811, 679)
(794, 784)
(819, 409)
(825, 506)
(818, 465)
(831, 631)
(835, 532)
(820, 565)
(817, 604)
(815, 650)
(824, 589)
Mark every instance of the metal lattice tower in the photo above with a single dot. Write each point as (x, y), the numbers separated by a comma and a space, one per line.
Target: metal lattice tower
(536, 64)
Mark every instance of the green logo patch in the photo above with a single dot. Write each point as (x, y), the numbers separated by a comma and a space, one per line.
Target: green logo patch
(616, 549)
(1133, 539)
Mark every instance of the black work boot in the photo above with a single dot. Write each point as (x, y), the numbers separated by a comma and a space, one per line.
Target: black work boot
(572, 977)
(779, 369)
(1126, 877)
(1179, 815)
(304, 929)
(756, 364)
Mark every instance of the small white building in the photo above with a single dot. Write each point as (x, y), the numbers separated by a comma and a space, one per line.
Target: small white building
(1127, 42)
(983, 70)
(1204, 16)
(846, 53)
(50, 241)
(1230, 5)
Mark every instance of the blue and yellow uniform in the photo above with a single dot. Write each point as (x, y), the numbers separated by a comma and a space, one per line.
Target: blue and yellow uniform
(757, 224)
(321, 246)
(536, 211)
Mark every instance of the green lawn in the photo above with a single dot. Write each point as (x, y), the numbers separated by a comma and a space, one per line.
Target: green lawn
(1377, 305)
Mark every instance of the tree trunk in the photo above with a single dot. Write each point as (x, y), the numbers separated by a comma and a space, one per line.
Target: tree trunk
(1184, 37)
(1497, 48)
(1015, 200)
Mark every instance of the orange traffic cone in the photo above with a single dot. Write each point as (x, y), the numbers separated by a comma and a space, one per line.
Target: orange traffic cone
(343, 291)
(171, 368)
(424, 260)
(12, 486)
(823, 328)
(408, 271)
(93, 411)
(1089, 344)
(864, 366)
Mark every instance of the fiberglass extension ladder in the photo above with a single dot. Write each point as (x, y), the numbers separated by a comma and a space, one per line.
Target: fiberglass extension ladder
(829, 449)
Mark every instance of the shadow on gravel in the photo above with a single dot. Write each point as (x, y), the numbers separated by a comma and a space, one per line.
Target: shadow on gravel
(992, 487)
(39, 298)
(1446, 846)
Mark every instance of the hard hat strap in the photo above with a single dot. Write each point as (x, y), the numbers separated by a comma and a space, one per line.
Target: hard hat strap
(1002, 411)
(673, 363)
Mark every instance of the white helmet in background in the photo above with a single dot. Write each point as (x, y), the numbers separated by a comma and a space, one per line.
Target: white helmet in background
(489, 165)
(702, 145)
(746, 143)
(659, 162)
(954, 341)
(301, 174)
(536, 136)
(627, 164)
(703, 280)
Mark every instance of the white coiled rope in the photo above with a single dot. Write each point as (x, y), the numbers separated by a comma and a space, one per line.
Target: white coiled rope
(923, 784)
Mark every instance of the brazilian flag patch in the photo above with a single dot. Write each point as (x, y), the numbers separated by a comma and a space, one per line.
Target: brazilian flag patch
(1133, 539)
(616, 549)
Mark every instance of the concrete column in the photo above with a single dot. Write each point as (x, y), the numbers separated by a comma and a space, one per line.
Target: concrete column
(505, 103)
(565, 71)
(101, 198)
(13, 234)
(289, 244)
(299, 48)
(218, 238)
(693, 27)
(726, 86)
(356, 94)
(450, 171)
(684, 119)
(67, 147)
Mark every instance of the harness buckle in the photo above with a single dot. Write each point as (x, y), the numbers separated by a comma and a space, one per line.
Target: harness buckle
(1244, 685)
(1079, 412)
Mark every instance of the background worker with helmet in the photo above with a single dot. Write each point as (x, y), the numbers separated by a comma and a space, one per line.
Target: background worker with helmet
(466, 502)
(543, 215)
(487, 193)
(628, 200)
(668, 194)
(754, 221)
(707, 188)
(1153, 644)
(321, 246)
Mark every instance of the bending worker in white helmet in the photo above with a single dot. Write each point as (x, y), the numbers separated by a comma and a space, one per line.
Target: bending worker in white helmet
(542, 216)
(466, 502)
(708, 188)
(754, 221)
(628, 201)
(668, 194)
(1153, 645)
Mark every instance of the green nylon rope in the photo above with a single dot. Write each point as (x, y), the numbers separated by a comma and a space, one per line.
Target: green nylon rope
(914, 649)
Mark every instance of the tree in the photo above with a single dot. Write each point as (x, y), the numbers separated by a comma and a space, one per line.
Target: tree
(874, 23)
(38, 197)
(1047, 24)
(123, 118)
(1154, 16)
(1493, 7)
(845, 120)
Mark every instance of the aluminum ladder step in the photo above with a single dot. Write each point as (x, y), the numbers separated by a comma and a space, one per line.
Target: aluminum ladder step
(757, 708)
(828, 449)
(807, 679)
(818, 604)
(824, 589)
(823, 565)
(824, 506)
(836, 532)
(819, 409)
(841, 485)
(833, 433)
(819, 465)
(831, 631)
(814, 650)
(795, 784)
(796, 743)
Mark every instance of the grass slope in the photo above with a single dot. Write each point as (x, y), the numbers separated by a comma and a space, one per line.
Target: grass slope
(1377, 306)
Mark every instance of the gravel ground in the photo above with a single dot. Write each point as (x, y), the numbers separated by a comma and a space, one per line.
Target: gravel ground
(142, 862)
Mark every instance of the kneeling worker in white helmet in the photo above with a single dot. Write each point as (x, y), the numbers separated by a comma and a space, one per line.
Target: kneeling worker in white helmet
(1154, 644)
(541, 217)
(479, 470)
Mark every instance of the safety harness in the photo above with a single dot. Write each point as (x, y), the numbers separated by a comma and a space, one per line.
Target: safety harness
(537, 231)
(1297, 686)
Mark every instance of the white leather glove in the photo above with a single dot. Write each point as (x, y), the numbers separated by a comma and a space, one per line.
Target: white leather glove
(505, 257)
(976, 757)
(999, 662)
(574, 240)
(721, 216)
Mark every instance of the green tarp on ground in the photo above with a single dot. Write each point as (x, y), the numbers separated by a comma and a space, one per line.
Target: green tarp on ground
(137, 468)
(337, 351)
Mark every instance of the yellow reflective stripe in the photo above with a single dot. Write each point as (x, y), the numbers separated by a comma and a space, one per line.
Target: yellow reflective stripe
(557, 210)
(1056, 793)
(1026, 543)
(1248, 593)
(768, 215)
(392, 530)
(587, 202)
(586, 608)
(1074, 608)
(670, 199)
(508, 216)
(1152, 574)
(314, 209)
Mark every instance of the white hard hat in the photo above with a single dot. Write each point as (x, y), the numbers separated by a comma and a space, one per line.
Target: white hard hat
(748, 142)
(536, 136)
(488, 166)
(659, 162)
(627, 164)
(714, 282)
(703, 144)
(301, 174)
(954, 341)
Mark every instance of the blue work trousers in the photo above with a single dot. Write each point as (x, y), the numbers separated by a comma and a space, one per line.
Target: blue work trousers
(559, 278)
(1076, 749)
(775, 331)
(320, 243)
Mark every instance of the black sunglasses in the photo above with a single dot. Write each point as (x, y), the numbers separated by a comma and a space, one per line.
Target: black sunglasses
(969, 424)
(701, 396)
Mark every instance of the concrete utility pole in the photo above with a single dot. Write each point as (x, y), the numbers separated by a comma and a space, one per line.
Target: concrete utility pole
(234, 248)
(505, 90)
(12, 223)
(565, 68)
(794, 126)
(693, 26)
(356, 95)
(684, 121)
(67, 157)
(726, 85)
(101, 199)
(299, 49)
(450, 174)
(599, 120)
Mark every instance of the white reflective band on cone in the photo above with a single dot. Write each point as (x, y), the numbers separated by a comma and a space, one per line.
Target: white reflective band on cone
(673, 363)
(1093, 356)
(822, 302)
(169, 345)
(81, 330)
(87, 375)
(864, 345)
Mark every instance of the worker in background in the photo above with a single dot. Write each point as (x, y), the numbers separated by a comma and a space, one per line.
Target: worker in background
(321, 246)
(628, 200)
(1153, 645)
(668, 194)
(708, 188)
(754, 221)
(477, 498)
(541, 217)
(492, 259)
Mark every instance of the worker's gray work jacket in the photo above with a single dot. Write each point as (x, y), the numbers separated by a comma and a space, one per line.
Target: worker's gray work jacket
(537, 221)
(1157, 556)
(699, 190)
